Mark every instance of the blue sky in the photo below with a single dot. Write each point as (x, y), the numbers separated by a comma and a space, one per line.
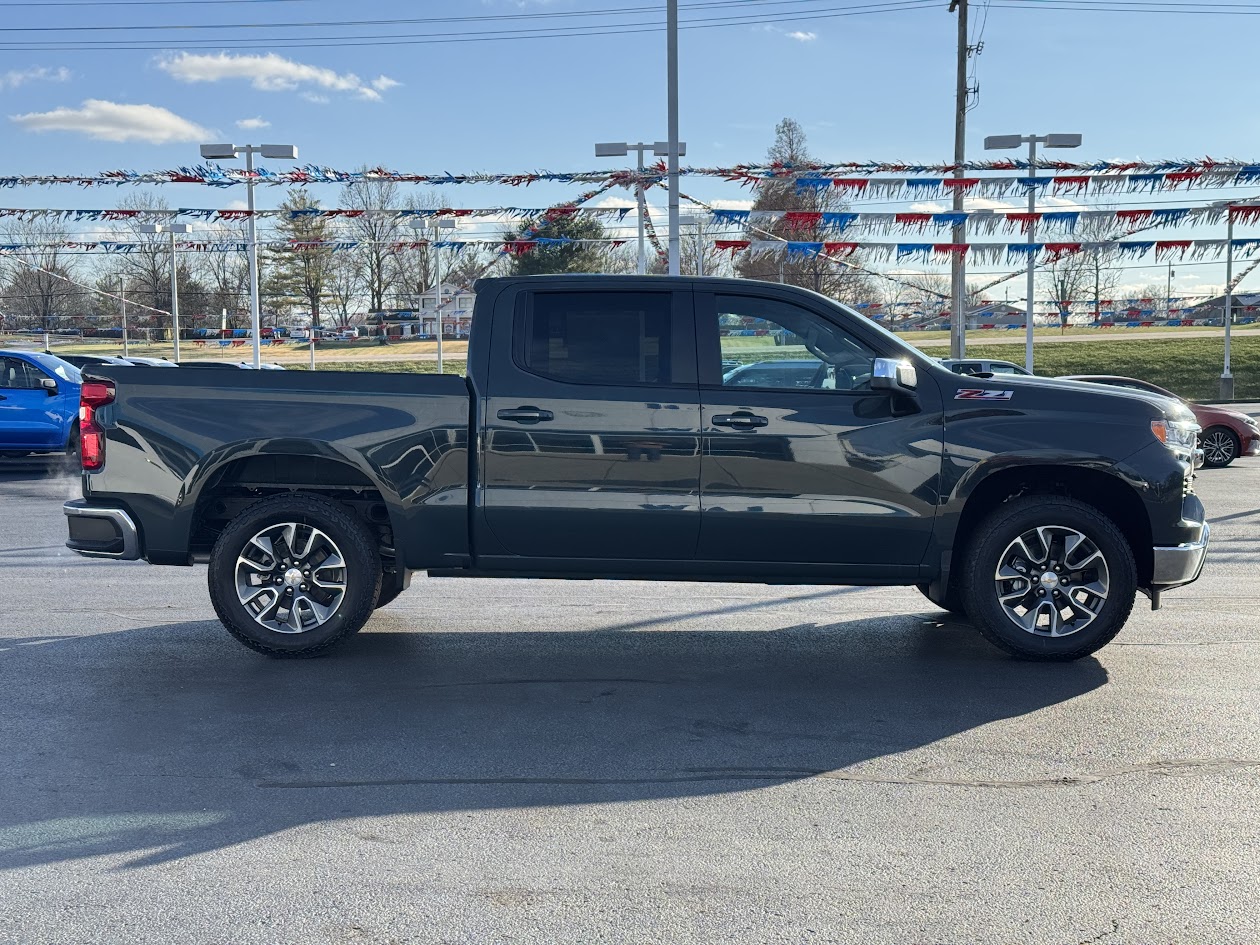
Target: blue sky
(1136, 85)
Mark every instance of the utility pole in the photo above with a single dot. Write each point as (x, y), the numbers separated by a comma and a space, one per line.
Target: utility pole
(958, 271)
(1168, 296)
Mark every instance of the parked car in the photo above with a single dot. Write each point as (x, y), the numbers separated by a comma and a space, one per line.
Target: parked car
(1227, 434)
(983, 366)
(774, 374)
(234, 365)
(149, 362)
(39, 404)
(594, 437)
(82, 360)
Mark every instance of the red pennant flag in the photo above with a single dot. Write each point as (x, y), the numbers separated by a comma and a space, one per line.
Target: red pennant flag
(801, 220)
(840, 249)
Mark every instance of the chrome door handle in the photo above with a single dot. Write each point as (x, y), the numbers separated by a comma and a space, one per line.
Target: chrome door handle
(526, 415)
(742, 421)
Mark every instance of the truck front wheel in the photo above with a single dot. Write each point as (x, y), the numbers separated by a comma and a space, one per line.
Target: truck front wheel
(293, 575)
(1049, 578)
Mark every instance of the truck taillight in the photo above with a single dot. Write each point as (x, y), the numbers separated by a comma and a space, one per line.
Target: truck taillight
(92, 396)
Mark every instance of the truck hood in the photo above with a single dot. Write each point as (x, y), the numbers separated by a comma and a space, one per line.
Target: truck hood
(1172, 409)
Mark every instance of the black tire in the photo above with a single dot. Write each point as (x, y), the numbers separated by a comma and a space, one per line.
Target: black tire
(72, 462)
(362, 574)
(999, 530)
(953, 601)
(387, 595)
(1220, 447)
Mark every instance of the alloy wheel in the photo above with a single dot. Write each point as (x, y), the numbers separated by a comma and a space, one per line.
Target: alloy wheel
(291, 577)
(1052, 581)
(1218, 448)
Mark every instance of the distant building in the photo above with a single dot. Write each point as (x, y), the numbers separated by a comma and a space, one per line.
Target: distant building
(1245, 305)
(420, 321)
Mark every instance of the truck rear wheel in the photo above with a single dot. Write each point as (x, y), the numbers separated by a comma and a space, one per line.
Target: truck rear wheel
(1049, 578)
(294, 575)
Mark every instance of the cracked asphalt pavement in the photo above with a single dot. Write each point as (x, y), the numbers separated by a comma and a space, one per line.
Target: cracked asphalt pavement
(589, 762)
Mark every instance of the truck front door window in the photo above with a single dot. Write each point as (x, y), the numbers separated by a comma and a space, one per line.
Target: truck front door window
(775, 345)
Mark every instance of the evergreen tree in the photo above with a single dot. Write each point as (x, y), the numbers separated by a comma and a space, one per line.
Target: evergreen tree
(583, 257)
(303, 272)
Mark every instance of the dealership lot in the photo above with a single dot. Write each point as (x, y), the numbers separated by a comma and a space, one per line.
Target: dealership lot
(516, 761)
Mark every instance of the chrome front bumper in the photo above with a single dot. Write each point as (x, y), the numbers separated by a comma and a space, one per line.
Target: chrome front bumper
(1176, 565)
(98, 532)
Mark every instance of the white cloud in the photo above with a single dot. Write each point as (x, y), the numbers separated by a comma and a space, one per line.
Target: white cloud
(111, 121)
(927, 207)
(15, 77)
(802, 36)
(987, 203)
(271, 73)
(315, 98)
(252, 124)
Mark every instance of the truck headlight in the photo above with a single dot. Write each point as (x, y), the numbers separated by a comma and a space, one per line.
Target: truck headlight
(1178, 435)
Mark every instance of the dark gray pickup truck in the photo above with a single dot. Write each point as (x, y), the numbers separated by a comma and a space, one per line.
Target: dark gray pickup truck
(611, 427)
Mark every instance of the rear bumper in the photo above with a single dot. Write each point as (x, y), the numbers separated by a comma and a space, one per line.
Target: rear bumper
(99, 532)
(1176, 565)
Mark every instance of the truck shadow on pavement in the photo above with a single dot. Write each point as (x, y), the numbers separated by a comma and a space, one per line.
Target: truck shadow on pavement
(167, 741)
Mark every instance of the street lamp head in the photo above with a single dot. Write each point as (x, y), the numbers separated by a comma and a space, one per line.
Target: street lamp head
(1063, 141)
(445, 223)
(218, 152)
(612, 149)
(151, 228)
(661, 148)
(1002, 142)
(178, 227)
(279, 152)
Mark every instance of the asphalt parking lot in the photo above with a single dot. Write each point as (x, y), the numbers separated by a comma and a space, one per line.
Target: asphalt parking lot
(543, 762)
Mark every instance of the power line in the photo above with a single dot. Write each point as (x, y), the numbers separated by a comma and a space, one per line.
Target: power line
(1127, 6)
(480, 36)
(484, 18)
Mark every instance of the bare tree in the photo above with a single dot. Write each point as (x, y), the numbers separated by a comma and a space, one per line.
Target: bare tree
(36, 288)
(375, 232)
(225, 275)
(1085, 276)
(831, 278)
(343, 285)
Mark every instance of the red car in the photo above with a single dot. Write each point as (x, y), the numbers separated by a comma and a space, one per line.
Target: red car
(1227, 434)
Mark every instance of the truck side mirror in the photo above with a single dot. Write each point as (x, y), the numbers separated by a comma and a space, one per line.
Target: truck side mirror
(893, 374)
(49, 385)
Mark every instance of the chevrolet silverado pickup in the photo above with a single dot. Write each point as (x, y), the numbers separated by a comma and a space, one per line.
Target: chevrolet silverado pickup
(605, 430)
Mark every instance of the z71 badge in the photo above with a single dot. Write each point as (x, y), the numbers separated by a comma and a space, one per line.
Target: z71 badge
(974, 393)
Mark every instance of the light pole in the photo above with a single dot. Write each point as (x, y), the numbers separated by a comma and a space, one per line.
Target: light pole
(1227, 377)
(172, 229)
(621, 149)
(438, 224)
(226, 152)
(671, 69)
(122, 298)
(1004, 143)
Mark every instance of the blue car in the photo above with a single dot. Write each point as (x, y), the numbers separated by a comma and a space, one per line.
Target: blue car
(39, 404)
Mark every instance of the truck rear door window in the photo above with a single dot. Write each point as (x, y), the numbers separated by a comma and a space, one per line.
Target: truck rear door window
(599, 337)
